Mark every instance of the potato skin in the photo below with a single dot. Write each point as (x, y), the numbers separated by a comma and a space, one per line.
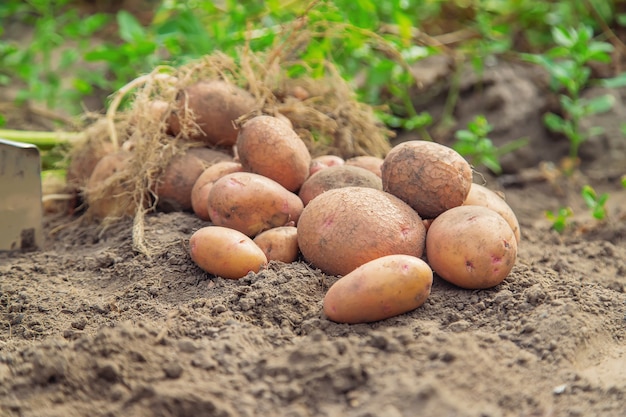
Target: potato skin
(174, 186)
(369, 162)
(118, 201)
(483, 196)
(344, 228)
(430, 177)
(268, 146)
(379, 289)
(337, 177)
(252, 203)
(210, 106)
(279, 244)
(472, 247)
(225, 252)
(204, 183)
(324, 161)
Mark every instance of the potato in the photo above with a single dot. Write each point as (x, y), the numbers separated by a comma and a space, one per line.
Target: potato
(279, 243)
(371, 163)
(173, 188)
(268, 146)
(337, 177)
(225, 252)
(324, 161)
(344, 228)
(471, 246)
(252, 203)
(206, 111)
(379, 289)
(483, 196)
(106, 196)
(204, 183)
(430, 177)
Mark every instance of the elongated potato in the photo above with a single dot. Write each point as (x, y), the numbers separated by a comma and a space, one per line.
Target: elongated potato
(279, 243)
(225, 252)
(204, 183)
(483, 196)
(337, 177)
(429, 177)
(344, 228)
(379, 289)
(252, 203)
(471, 246)
(269, 147)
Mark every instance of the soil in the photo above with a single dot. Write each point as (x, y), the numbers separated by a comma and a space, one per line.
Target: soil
(88, 327)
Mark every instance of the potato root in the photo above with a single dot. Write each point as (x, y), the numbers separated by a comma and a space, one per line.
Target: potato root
(344, 228)
(379, 289)
(225, 252)
(471, 246)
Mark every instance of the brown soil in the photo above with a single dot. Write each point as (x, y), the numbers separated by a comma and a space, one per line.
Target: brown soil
(90, 328)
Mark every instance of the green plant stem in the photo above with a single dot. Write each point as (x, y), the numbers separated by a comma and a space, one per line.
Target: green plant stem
(41, 139)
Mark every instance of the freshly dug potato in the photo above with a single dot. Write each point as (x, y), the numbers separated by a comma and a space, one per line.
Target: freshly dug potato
(324, 161)
(337, 177)
(174, 186)
(471, 246)
(252, 203)
(371, 163)
(430, 177)
(83, 161)
(202, 186)
(268, 146)
(344, 228)
(279, 243)
(211, 107)
(379, 289)
(225, 252)
(483, 196)
(106, 197)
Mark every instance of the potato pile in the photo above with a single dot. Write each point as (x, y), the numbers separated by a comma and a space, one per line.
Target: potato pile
(382, 224)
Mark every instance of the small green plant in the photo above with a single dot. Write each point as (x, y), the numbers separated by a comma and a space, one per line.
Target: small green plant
(623, 181)
(567, 63)
(560, 218)
(595, 202)
(474, 144)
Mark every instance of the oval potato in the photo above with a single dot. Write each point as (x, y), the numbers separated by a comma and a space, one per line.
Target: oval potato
(252, 203)
(279, 243)
(429, 177)
(483, 196)
(369, 162)
(344, 228)
(379, 289)
(337, 177)
(471, 246)
(268, 146)
(225, 252)
(204, 183)
(324, 161)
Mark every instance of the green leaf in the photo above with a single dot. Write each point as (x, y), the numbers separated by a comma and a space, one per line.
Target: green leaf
(554, 122)
(129, 27)
(562, 36)
(465, 135)
(600, 104)
(615, 82)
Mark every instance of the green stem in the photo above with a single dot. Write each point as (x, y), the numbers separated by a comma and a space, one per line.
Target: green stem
(41, 139)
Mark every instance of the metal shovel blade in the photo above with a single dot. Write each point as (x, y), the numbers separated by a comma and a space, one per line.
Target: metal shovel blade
(21, 224)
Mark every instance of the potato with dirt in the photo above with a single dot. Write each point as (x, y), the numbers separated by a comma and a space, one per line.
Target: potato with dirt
(268, 146)
(204, 183)
(472, 247)
(225, 252)
(205, 112)
(108, 193)
(279, 244)
(369, 162)
(337, 177)
(252, 203)
(324, 161)
(174, 186)
(482, 196)
(379, 289)
(430, 177)
(344, 228)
